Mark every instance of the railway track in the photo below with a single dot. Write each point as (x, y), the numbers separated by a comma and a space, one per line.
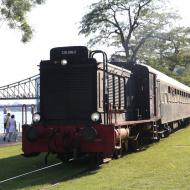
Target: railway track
(61, 179)
(30, 172)
(53, 182)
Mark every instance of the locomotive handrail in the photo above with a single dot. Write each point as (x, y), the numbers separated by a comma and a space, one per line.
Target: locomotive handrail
(105, 83)
(24, 114)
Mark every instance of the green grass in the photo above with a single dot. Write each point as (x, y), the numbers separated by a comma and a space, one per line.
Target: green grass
(13, 164)
(162, 166)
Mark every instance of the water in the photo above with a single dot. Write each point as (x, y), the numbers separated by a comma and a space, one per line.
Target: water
(18, 118)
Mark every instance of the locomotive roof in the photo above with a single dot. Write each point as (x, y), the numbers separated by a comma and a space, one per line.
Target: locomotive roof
(116, 70)
(172, 82)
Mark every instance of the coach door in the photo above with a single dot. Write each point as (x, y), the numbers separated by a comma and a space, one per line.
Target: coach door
(158, 98)
(153, 95)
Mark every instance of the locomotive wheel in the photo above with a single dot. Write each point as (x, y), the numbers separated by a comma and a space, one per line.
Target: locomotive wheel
(64, 157)
(156, 137)
(169, 130)
(100, 158)
(125, 146)
(31, 154)
(117, 153)
(95, 159)
(134, 144)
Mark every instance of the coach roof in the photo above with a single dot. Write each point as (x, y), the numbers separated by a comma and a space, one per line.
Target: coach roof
(172, 82)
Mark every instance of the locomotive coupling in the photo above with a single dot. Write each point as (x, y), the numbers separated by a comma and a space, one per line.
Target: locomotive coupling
(121, 133)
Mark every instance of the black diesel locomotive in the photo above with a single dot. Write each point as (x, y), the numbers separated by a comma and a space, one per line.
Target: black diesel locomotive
(101, 109)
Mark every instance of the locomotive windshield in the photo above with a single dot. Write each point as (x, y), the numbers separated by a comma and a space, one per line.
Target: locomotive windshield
(68, 91)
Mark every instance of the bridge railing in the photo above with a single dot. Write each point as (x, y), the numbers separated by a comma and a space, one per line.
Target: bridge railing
(24, 89)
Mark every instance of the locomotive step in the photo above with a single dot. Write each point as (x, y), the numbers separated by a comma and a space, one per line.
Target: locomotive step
(159, 132)
(106, 160)
(117, 147)
(155, 138)
(163, 133)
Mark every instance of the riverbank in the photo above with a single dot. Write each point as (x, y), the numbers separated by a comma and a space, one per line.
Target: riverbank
(13, 142)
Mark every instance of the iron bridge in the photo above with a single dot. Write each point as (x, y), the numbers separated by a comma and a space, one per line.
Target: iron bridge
(25, 89)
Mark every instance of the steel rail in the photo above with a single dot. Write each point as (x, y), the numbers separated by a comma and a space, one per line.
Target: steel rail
(37, 170)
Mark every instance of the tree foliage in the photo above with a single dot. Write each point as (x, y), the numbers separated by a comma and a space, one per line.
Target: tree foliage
(127, 24)
(14, 13)
(144, 30)
(169, 48)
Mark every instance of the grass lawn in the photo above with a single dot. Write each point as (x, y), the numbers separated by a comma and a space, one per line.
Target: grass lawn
(13, 164)
(162, 166)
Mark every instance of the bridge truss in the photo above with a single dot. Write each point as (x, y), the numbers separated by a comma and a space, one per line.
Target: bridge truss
(25, 89)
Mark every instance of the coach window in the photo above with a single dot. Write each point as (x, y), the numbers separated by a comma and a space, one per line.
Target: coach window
(183, 97)
(169, 89)
(174, 95)
(186, 98)
(178, 96)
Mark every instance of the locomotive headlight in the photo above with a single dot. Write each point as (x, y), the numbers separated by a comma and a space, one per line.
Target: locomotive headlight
(36, 117)
(95, 117)
(64, 62)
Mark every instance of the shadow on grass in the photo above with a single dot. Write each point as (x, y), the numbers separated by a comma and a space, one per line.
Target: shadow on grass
(17, 165)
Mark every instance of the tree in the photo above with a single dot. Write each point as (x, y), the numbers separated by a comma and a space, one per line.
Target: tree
(170, 49)
(178, 42)
(127, 24)
(13, 12)
(169, 53)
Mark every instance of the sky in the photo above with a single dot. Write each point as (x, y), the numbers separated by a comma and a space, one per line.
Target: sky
(55, 24)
